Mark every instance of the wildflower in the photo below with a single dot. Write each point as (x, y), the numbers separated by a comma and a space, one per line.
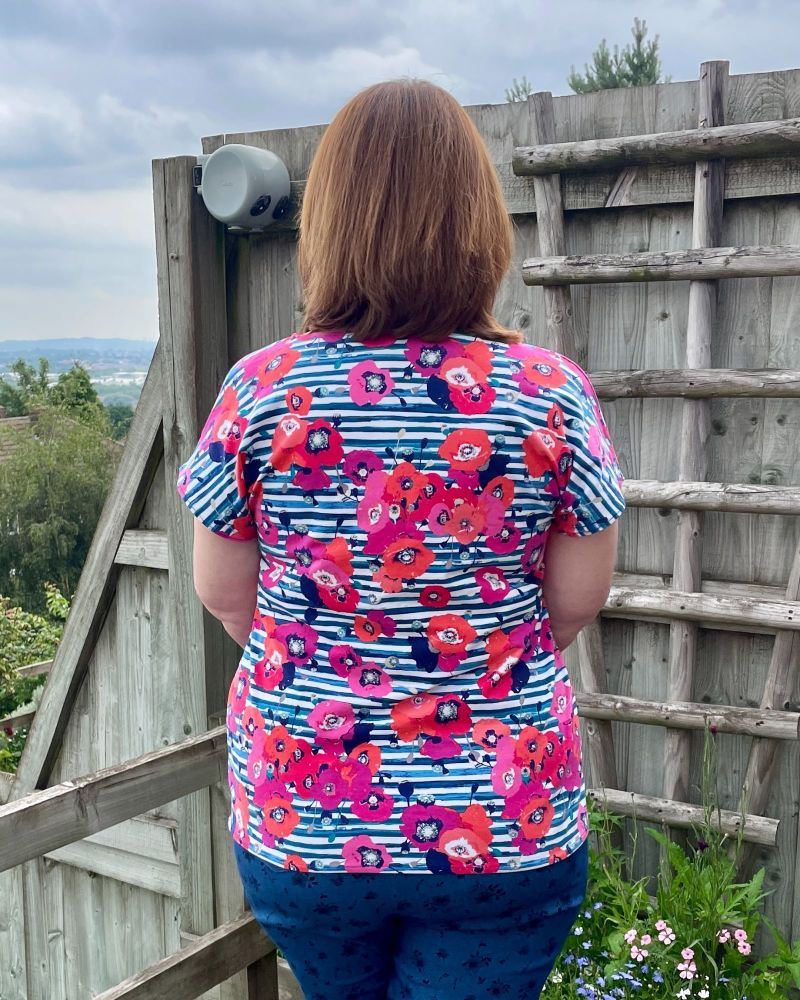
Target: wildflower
(702, 845)
(724, 936)
(646, 939)
(666, 935)
(704, 993)
(661, 925)
(743, 947)
(630, 936)
(687, 969)
(640, 954)
(556, 976)
(577, 930)
(740, 934)
(686, 992)
(687, 953)
(657, 976)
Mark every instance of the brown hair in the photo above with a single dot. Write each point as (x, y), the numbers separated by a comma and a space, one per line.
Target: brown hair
(403, 226)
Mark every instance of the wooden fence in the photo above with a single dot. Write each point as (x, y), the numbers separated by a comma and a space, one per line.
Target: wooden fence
(624, 248)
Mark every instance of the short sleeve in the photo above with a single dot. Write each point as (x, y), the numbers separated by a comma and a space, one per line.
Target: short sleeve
(217, 479)
(592, 498)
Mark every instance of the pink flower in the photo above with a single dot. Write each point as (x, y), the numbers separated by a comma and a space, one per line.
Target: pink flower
(424, 825)
(646, 939)
(630, 936)
(744, 947)
(640, 954)
(300, 641)
(368, 383)
(661, 925)
(492, 583)
(561, 705)
(724, 936)
(329, 789)
(428, 357)
(667, 935)
(687, 953)
(362, 854)
(369, 680)
(740, 934)
(360, 464)
(373, 806)
(505, 540)
(687, 970)
(332, 720)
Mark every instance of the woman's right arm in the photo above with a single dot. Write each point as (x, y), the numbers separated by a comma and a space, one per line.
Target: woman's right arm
(577, 579)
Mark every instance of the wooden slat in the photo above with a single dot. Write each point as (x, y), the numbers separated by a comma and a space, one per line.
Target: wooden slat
(664, 265)
(691, 715)
(18, 720)
(62, 814)
(683, 815)
(562, 337)
(695, 429)
(684, 146)
(95, 587)
(740, 498)
(35, 669)
(697, 383)
(668, 605)
(198, 967)
(143, 548)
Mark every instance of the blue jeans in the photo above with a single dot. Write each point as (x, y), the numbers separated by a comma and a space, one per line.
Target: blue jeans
(417, 937)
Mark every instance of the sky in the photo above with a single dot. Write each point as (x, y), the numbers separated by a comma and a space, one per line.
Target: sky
(92, 90)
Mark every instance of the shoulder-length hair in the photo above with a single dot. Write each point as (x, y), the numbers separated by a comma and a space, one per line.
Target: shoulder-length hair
(403, 225)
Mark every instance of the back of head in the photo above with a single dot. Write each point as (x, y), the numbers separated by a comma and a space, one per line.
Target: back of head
(403, 227)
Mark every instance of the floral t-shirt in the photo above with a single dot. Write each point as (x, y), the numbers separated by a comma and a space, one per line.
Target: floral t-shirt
(401, 705)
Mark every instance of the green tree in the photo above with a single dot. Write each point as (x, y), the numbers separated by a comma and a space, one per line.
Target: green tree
(25, 638)
(52, 488)
(120, 416)
(636, 65)
(520, 90)
(72, 392)
(31, 388)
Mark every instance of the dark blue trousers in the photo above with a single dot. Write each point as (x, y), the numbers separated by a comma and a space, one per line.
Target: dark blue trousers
(417, 937)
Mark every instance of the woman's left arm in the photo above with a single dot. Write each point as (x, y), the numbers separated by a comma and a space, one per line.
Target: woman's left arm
(226, 579)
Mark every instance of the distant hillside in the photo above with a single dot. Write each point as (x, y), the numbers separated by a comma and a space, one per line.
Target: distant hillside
(99, 354)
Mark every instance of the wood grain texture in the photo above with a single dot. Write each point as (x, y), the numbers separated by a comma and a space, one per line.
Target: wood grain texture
(686, 146)
(204, 963)
(697, 383)
(62, 814)
(767, 723)
(683, 815)
(742, 498)
(695, 428)
(677, 265)
(138, 547)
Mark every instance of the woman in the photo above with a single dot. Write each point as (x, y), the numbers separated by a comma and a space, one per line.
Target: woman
(424, 510)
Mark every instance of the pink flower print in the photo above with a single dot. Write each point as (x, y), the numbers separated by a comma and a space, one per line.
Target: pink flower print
(343, 658)
(300, 641)
(369, 681)
(269, 365)
(440, 748)
(533, 554)
(305, 550)
(360, 464)
(561, 704)
(424, 825)
(332, 720)
(427, 358)
(362, 854)
(374, 806)
(506, 778)
(369, 383)
(505, 539)
(492, 584)
(268, 671)
(272, 574)
(326, 574)
(329, 789)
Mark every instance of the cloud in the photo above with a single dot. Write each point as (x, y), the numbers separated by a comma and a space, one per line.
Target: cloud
(92, 90)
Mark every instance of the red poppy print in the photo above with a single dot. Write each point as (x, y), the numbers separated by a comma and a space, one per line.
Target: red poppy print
(466, 450)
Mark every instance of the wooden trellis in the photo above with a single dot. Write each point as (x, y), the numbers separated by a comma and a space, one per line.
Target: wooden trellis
(683, 605)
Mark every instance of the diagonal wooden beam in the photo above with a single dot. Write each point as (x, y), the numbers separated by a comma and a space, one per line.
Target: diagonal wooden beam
(96, 587)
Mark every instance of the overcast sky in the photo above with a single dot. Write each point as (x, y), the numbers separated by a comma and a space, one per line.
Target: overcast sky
(92, 90)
